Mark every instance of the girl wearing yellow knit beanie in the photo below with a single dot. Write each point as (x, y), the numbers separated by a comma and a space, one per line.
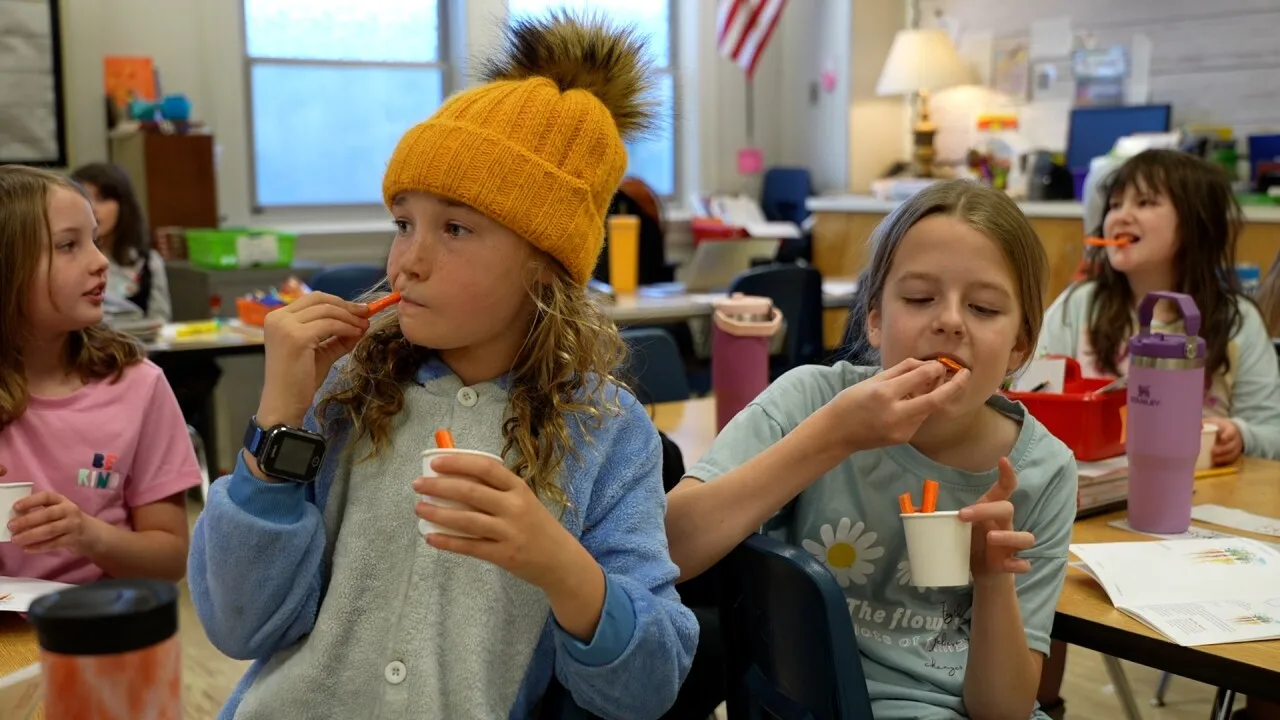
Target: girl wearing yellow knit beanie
(311, 559)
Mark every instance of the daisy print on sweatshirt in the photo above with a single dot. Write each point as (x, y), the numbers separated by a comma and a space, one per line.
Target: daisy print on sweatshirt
(847, 551)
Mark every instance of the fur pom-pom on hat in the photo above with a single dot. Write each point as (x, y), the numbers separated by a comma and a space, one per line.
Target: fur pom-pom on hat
(610, 63)
(539, 146)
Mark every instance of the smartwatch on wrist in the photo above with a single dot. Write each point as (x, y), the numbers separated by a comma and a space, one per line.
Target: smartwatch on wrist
(284, 452)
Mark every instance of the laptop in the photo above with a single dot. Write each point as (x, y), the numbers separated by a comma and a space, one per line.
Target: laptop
(716, 263)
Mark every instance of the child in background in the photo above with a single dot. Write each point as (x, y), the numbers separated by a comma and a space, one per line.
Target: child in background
(1181, 221)
(136, 272)
(498, 202)
(956, 273)
(83, 415)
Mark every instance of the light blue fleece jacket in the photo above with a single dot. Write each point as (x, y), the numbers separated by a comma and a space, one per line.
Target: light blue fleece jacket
(331, 588)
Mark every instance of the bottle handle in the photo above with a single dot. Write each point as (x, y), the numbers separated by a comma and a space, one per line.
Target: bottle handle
(1190, 313)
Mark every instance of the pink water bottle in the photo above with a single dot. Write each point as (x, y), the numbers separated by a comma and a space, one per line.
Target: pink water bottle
(744, 325)
(1166, 398)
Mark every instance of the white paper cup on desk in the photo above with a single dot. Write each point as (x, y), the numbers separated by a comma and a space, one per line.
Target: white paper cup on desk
(426, 527)
(1208, 436)
(937, 548)
(10, 493)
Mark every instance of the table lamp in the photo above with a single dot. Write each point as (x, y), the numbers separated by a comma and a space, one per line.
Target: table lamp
(922, 61)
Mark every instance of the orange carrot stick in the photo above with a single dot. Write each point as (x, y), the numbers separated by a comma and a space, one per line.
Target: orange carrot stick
(950, 364)
(383, 303)
(904, 503)
(1103, 242)
(929, 502)
(444, 439)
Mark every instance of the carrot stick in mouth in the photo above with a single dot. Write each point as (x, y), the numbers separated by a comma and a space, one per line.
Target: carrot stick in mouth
(950, 364)
(444, 439)
(1104, 242)
(929, 502)
(904, 503)
(383, 303)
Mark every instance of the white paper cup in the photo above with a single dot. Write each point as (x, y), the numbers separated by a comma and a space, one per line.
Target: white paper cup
(1208, 435)
(426, 527)
(937, 548)
(10, 493)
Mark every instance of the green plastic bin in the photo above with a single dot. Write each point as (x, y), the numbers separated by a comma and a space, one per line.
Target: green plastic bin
(232, 248)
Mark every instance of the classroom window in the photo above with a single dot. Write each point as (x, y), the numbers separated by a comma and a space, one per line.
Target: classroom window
(653, 159)
(333, 84)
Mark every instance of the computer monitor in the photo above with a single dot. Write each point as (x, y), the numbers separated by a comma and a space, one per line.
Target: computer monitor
(1095, 130)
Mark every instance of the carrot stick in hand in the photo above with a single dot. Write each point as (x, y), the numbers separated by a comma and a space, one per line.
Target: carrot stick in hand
(383, 303)
(929, 502)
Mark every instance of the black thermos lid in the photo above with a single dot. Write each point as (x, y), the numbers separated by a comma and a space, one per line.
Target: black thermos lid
(107, 617)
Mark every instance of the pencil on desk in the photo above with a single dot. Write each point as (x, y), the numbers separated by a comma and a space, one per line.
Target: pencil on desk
(1217, 472)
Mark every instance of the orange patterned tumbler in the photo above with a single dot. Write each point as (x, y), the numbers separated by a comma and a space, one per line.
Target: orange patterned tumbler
(109, 651)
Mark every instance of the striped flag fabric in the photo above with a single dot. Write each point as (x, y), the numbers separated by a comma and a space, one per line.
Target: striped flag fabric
(743, 29)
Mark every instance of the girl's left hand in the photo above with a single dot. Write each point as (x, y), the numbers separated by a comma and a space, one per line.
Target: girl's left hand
(1229, 445)
(49, 521)
(512, 528)
(995, 542)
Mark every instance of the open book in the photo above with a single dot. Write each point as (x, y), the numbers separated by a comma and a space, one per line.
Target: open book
(1195, 592)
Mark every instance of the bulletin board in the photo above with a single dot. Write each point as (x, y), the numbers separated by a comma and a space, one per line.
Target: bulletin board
(32, 105)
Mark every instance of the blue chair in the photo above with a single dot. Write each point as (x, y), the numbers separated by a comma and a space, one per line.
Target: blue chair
(654, 369)
(790, 652)
(782, 199)
(797, 292)
(348, 281)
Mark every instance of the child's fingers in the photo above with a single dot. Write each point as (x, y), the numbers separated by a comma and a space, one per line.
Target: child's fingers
(1011, 539)
(41, 533)
(902, 368)
(486, 550)
(460, 487)
(36, 500)
(1016, 565)
(1000, 512)
(470, 522)
(916, 381)
(1006, 483)
(3, 471)
(57, 543)
(487, 470)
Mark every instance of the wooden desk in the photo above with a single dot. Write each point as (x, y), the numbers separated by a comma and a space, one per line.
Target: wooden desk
(1087, 618)
(231, 339)
(18, 647)
(635, 308)
(691, 425)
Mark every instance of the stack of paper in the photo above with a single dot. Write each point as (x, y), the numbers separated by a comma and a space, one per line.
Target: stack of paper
(1102, 483)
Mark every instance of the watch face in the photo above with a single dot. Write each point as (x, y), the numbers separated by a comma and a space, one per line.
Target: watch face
(293, 454)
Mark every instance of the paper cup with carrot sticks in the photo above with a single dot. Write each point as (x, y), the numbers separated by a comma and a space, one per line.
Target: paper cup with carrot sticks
(937, 541)
(444, 446)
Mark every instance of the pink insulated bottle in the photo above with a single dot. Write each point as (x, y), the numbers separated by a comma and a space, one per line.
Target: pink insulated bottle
(1166, 398)
(744, 325)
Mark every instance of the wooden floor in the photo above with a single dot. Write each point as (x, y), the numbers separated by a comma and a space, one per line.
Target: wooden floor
(209, 677)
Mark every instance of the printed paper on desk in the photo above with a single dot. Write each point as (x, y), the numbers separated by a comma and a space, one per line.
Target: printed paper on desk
(1194, 592)
(1237, 519)
(20, 693)
(1051, 372)
(17, 594)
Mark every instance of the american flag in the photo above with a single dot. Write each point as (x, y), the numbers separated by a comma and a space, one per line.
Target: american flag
(743, 28)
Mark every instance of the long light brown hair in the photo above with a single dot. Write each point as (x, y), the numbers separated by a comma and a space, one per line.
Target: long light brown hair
(560, 381)
(93, 353)
(983, 208)
(1209, 224)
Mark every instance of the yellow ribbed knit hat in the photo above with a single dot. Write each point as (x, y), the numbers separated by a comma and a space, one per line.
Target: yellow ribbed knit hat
(538, 147)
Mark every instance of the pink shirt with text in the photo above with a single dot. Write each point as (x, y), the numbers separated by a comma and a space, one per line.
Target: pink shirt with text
(107, 448)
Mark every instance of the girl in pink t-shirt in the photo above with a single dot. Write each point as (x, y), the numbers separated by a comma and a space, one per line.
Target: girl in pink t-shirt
(84, 416)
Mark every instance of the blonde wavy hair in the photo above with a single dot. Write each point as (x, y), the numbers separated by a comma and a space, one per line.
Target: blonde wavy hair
(93, 353)
(560, 381)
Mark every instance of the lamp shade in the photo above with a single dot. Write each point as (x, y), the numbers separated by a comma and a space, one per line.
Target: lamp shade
(922, 59)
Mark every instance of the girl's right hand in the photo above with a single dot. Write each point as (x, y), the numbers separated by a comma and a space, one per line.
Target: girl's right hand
(303, 340)
(888, 408)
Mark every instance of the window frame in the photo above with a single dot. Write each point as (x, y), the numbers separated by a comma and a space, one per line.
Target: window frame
(442, 64)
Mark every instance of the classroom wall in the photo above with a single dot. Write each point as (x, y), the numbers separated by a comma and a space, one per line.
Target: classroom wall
(1216, 63)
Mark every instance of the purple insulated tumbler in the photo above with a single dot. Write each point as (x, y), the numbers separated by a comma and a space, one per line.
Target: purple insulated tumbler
(1166, 398)
(743, 325)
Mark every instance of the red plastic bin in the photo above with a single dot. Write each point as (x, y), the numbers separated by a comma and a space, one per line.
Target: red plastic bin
(1091, 425)
(704, 229)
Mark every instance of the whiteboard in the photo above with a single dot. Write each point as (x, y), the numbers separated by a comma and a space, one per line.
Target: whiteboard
(32, 111)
